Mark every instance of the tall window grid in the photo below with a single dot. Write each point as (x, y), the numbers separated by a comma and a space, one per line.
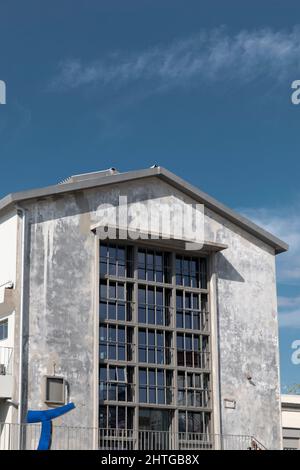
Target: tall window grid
(154, 351)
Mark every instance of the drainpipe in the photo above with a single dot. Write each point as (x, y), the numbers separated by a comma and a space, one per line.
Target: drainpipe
(21, 212)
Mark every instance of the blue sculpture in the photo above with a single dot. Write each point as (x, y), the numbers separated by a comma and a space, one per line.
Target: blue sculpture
(45, 417)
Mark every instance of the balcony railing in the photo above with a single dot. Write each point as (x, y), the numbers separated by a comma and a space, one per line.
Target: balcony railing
(123, 439)
(79, 438)
(6, 360)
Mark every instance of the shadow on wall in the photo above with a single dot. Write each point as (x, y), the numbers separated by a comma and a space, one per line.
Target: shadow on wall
(227, 271)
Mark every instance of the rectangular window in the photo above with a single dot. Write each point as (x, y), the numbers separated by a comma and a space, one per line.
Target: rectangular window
(116, 383)
(154, 266)
(154, 346)
(193, 350)
(191, 272)
(115, 342)
(115, 417)
(155, 386)
(3, 330)
(116, 260)
(192, 311)
(154, 305)
(193, 389)
(115, 300)
(194, 423)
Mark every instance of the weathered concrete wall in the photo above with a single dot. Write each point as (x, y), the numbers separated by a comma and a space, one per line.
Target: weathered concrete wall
(61, 286)
(248, 335)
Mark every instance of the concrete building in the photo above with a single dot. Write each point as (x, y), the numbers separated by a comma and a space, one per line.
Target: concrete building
(290, 405)
(158, 342)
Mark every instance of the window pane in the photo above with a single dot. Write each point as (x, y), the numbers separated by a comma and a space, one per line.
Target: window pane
(143, 376)
(160, 378)
(182, 422)
(141, 258)
(121, 353)
(112, 310)
(112, 333)
(180, 342)
(159, 297)
(112, 392)
(181, 380)
(121, 334)
(121, 312)
(112, 352)
(121, 418)
(142, 337)
(113, 374)
(179, 320)
(142, 315)
(152, 380)
(112, 291)
(161, 396)
(142, 295)
(152, 395)
(151, 316)
(143, 395)
(121, 291)
(151, 298)
(142, 354)
(103, 292)
(112, 421)
(151, 338)
(159, 316)
(103, 310)
(102, 417)
(188, 320)
(160, 338)
(151, 355)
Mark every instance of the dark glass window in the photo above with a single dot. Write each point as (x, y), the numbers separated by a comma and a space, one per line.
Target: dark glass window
(154, 305)
(191, 272)
(154, 346)
(115, 342)
(193, 350)
(116, 260)
(154, 266)
(155, 386)
(115, 301)
(193, 422)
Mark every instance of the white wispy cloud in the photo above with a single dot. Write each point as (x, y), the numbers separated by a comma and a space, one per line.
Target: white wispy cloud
(208, 55)
(285, 223)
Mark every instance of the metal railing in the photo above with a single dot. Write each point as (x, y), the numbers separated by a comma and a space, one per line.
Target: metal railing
(123, 439)
(6, 360)
(80, 438)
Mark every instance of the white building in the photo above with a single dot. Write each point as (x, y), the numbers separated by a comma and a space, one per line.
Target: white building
(290, 405)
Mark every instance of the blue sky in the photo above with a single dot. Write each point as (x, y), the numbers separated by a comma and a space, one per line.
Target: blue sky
(202, 88)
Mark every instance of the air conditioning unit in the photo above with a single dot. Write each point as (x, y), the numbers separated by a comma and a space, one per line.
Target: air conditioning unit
(2, 369)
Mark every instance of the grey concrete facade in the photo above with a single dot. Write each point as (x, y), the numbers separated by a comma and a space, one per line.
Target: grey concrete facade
(61, 308)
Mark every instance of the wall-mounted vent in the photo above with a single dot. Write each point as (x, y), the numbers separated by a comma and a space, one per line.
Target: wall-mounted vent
(55, 390)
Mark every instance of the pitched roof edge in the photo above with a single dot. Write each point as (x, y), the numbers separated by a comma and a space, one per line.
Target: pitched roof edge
(167, 176)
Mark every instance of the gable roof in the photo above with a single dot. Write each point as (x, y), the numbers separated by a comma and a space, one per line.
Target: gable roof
(101, 179)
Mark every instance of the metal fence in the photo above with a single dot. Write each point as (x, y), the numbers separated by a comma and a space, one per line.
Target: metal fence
(78, 438)
(122, 439)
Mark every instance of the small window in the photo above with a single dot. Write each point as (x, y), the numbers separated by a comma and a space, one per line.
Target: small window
(3, 330)
(55, 390)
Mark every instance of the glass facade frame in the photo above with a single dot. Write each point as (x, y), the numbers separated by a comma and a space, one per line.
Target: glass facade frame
(162, 335)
